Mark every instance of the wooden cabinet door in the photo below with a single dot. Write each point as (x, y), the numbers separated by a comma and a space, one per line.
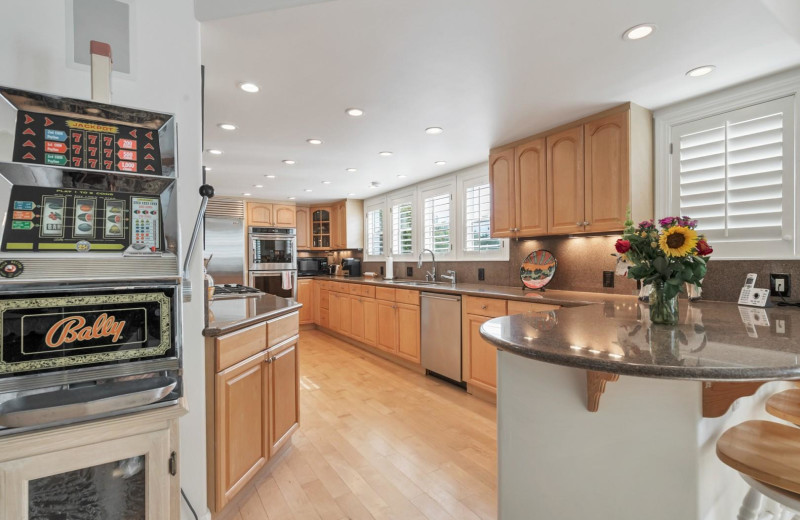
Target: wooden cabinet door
(284, 216)
(321, 227)
(357, 318)
(339, 226)
(305, 295)
(408, 329)
(334, 311)
(565, 182)
(387, 326)
(303, 221)
(370, 321)
(345, 315)
(607, 172)
(259, 214)
(482, 356)
(284, 394)
(241, 415)
(501, 180)
(530, 188)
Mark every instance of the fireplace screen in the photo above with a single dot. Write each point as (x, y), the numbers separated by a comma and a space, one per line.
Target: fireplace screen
(113, 490)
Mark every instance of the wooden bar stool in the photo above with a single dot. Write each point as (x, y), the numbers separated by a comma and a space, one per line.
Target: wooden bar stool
(767, 453)
(785, 405)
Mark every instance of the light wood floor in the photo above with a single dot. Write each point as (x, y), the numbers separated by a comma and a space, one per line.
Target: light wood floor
(377, 441)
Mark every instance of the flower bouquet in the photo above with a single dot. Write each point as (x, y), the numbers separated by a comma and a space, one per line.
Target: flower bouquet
(667, 258)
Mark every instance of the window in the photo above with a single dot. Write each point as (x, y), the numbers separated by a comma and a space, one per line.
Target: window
(402, 227)
(374, 233)
(437, 235)
(477, 210)
(734, 173)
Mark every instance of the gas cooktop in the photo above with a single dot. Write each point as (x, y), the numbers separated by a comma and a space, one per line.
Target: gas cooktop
(234, 290)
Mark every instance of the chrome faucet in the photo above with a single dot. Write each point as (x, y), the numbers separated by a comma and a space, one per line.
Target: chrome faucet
(451, 275)
(428, 276)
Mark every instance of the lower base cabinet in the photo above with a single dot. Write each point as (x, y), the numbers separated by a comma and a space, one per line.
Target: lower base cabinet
(254, 407)
(387, 326)
(408, 332)
(482, 358)
(305, 295)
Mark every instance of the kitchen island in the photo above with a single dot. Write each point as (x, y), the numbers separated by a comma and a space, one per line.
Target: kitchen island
(648, 449)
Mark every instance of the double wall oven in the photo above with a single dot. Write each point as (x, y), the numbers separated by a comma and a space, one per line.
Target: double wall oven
(272, 256)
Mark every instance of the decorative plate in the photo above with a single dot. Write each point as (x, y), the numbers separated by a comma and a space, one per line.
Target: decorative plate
(538, 269)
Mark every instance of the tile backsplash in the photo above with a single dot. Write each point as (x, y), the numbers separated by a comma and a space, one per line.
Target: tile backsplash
(582, 260)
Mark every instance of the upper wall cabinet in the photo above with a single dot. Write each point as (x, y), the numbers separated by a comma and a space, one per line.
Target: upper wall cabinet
(580, 178)
(303, 220)
(273, 215)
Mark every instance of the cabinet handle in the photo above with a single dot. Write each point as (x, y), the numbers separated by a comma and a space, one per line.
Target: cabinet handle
(483, 307)
(511, 229)
(586, 223)
(270, 360)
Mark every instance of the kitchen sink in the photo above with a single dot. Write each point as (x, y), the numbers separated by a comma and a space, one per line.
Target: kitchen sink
(418, 283)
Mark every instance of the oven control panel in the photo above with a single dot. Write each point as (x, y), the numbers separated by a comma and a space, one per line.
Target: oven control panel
(63, 219)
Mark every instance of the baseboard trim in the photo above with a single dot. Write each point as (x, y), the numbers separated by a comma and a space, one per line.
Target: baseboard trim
(372, 350)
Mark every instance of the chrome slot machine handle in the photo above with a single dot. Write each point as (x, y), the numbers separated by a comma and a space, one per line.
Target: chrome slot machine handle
(206, 191)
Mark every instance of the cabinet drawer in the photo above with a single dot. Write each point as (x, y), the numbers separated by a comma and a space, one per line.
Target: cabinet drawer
(237, 346)
(408, 296)
(341, 287)
(324, 298)
(324, 318)
(283, 328)
(368, 291)
(384, 293)
(517, 307)
(485, 306)
(355, 289)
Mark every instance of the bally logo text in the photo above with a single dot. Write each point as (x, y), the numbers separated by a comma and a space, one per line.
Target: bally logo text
(75, 328)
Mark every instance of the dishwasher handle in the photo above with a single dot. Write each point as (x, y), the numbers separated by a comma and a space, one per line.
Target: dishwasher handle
(448, 297)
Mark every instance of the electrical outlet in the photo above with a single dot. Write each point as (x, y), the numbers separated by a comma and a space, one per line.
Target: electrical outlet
(409, 271)
(779, 285)
(481, 274)
(608, 278)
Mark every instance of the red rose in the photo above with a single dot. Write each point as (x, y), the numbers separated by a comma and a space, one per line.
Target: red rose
(703, 249)
(623, 246)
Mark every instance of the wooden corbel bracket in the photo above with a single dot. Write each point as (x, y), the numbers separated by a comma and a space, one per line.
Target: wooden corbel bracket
(595, 386)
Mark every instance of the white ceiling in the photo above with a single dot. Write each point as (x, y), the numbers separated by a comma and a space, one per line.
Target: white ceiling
(487, 71)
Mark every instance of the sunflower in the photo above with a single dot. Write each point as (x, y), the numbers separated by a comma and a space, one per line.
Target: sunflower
(678, 241)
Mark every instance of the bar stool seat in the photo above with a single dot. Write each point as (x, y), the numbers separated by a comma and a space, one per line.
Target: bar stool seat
(785, 405)
(785, 498)
(765, 451)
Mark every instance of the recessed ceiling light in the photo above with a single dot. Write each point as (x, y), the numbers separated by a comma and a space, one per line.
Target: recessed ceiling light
(351, 170)
(401, 176)
(258, 185)
(208, 169)
(215, 152)
(434, 130)
(269, 176)
(701, 71)
(440, 163)
(384, 154)
(307, 190)
(355, 112)
(246, 194)
(351, 194)
(292, 198)
(637, 32)
(314, 141)
(288, 161)
(249, 87)
(326, 182)
(227, 126)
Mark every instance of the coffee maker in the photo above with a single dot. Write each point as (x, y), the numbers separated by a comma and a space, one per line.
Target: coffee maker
(351, 267)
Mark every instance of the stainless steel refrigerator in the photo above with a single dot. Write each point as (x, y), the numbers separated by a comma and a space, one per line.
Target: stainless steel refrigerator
(225, 236)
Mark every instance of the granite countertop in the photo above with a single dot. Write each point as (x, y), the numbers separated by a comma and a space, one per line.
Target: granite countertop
(230, 314)
(714, 341)
(552, 297)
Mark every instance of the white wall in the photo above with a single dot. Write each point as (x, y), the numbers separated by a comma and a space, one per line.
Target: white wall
(166, 47)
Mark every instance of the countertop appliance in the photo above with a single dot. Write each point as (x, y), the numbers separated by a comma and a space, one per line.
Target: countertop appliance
(441, 335)
(312, 266)
(225, 240)
(351, 267)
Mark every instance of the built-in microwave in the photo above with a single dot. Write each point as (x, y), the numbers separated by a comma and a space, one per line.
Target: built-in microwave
(312, 266)
(272, 249)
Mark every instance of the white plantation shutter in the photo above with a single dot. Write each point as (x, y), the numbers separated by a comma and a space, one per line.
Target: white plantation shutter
(437, 222)
(477, 208)
(735, 174)
(374, 232)
(402, 228)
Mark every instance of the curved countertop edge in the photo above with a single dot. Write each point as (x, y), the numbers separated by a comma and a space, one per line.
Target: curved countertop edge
(215, 329)
(732, 375)
(564, 298)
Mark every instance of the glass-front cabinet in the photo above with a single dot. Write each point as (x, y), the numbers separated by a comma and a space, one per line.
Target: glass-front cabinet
(321, 228)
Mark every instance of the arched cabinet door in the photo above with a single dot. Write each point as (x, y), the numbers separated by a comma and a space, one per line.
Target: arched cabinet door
(565, 182)
(607, 172)
(530, 185)
(501, 180)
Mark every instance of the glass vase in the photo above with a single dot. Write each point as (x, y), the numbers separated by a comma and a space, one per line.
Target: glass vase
(663, 310)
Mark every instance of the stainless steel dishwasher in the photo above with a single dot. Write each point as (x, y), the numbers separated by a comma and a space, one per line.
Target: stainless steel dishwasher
(441, 335)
